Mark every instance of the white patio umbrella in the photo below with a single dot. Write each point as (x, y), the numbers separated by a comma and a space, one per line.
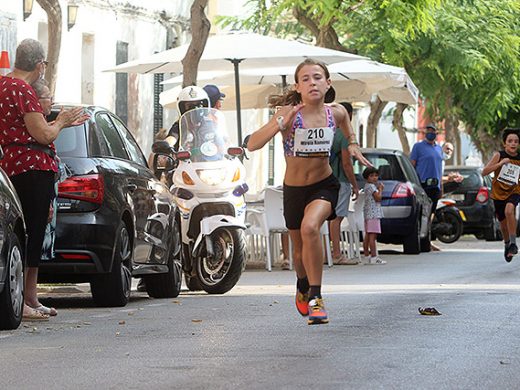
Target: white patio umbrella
(251, 96)
(247, 49)
(353, 81)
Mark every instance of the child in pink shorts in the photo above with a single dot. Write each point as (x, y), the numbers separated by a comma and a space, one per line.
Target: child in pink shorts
(373, 213)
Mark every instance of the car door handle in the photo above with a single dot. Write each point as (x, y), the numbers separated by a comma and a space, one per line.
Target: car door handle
(131, 187)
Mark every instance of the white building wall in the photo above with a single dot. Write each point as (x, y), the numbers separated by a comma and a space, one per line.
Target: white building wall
(132, 21)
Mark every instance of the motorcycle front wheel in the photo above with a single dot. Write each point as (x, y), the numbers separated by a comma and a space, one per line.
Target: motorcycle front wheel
(453, 224)
(220, 272)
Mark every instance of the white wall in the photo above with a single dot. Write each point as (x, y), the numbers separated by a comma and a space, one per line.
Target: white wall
(107, 22)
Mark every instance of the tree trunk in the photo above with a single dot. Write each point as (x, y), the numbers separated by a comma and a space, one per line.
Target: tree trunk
(485, 143)
(457, 142)
(397, 122)
(54, 22)
(200, 27)
(376, 110)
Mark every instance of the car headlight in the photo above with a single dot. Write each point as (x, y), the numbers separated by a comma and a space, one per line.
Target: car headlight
(212, 177)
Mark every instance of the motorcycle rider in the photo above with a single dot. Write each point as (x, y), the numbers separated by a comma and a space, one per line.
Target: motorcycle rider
(189, 98)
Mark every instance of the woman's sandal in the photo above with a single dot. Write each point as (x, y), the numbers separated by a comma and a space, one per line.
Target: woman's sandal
(286, 266)
(50, 311)
(35, 315)
(343, 260)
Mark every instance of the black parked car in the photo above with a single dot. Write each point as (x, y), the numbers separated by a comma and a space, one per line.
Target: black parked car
(115, 220)
(12, 248)
(406, 207)
(472, 197)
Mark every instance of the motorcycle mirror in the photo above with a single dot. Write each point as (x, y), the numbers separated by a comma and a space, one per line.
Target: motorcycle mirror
(235, 151)
(183, 155)
(161, 147)
(162, 163)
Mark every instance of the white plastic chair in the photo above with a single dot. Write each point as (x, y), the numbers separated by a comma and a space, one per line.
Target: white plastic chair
(255, 237)
(274, 222)
(352, 226)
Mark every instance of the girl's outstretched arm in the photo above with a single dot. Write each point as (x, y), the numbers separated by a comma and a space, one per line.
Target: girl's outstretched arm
(259, 138)
(343, 122)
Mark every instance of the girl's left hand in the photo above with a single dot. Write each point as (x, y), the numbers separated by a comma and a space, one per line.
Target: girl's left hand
(355, 152)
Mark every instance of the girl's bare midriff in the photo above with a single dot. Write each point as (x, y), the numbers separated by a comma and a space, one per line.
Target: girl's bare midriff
(304, 171)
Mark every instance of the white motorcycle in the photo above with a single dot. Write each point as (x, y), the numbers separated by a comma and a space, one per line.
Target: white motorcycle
(208, 187)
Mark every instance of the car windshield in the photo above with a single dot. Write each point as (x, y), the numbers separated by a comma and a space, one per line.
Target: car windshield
(204, 134)
(472, 179)
(387, 164)
(71, 142)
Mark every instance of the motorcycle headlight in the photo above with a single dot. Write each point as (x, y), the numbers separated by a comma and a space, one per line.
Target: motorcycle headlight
(212, 177)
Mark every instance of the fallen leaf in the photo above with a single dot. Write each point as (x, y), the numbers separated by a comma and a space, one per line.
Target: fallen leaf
(122, 322)
(176, 301)
(131, 313)
(429, 311)
(196, 320)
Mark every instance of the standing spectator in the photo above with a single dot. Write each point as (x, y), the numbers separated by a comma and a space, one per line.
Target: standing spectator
(46, 100)
(373, 213)
(215, 96)
(29, 161)
(505, 190)
(341, 164)
(452, 177)
(426, 157)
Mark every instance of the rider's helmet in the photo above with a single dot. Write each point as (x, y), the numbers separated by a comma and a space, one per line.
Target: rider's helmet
(192, 97)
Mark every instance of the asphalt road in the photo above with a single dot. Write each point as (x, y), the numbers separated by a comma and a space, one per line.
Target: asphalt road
(253, 338)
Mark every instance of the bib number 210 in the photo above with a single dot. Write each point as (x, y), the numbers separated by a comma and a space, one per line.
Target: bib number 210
(315, 133)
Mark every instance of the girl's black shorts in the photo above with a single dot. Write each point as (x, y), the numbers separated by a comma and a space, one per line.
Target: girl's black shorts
(296, 198)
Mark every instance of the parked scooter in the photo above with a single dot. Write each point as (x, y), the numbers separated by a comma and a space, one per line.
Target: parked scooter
(447, 221)
(208, 187)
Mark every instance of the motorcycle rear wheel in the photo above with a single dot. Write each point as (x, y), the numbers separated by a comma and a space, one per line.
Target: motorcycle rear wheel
(455, 230)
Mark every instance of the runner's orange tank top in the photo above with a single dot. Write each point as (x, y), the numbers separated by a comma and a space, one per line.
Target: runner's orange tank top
(499, 189)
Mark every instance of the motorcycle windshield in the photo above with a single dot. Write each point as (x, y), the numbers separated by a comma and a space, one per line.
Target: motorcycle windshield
(203, 133)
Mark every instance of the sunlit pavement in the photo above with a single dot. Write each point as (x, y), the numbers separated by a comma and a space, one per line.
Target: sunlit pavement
(253, 338)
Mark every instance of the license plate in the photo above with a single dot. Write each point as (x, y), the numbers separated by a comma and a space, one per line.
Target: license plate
(457, 197)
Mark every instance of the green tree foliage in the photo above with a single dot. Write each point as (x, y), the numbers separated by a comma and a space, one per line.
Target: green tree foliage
(464, 55)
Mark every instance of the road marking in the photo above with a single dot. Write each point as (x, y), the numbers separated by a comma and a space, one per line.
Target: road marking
(374, 288)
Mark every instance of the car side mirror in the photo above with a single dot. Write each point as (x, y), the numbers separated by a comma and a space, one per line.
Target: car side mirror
(161, 147)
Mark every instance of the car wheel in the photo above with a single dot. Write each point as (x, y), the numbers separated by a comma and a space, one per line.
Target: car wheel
(113, 289)
(412, 242)
(11, 298)
(167, 285)
(493, 233)
(192, 282)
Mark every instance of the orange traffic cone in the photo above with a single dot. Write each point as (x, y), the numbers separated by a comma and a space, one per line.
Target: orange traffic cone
(4, 63)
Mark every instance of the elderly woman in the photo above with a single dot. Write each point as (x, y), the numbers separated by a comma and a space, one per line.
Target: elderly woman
(26, 139)
(46, 99)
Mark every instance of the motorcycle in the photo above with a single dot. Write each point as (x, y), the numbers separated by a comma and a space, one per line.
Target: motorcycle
(447, 221)
(208, 188)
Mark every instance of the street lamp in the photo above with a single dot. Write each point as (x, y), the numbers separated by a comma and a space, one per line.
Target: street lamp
(72, 13)
(27, 8)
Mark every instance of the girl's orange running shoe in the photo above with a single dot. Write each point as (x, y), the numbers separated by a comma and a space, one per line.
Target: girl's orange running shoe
(302, 303)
